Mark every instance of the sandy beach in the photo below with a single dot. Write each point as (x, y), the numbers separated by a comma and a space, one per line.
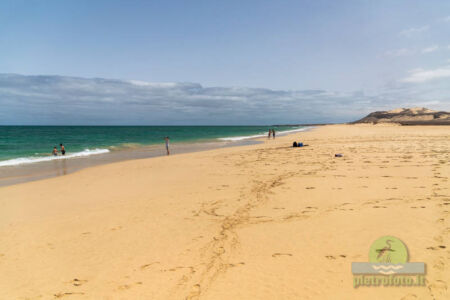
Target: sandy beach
(265, 221)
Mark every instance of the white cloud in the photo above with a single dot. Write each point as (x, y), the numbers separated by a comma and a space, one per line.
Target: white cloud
(413, 31)
(430, 49)
(445, 19)
(421, 75)
(71, 100)
(60, 100)
(153, 84)
(400, 52)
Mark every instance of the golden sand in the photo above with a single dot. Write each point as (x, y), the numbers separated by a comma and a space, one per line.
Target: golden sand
(265, 221)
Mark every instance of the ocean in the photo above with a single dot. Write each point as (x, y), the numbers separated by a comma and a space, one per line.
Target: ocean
(32, 144)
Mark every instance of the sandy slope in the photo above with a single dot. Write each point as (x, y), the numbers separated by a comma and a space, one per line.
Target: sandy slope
(256, 222)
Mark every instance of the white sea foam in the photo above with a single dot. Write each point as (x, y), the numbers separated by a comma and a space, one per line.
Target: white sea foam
(30, 160)
(240, 138)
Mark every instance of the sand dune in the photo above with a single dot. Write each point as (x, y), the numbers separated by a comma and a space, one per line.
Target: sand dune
(408, 116)
(265, 221)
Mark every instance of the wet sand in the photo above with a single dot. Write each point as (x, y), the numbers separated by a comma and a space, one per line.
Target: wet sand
(263, 221)
(29, 172)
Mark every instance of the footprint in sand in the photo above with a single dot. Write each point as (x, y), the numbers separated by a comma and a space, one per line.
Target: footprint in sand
(438, 239)
(195, 292)
(77, 282)
(143, 267)
(235, 265)
(281, 254)
(124, 287)
(60, 295)
(436, 247)
(409, 297)
(439, 265)
(333, 257)
(197, 238)
(438, 285)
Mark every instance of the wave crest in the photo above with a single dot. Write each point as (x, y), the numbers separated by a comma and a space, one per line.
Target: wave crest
(245, 137)
(31, 160)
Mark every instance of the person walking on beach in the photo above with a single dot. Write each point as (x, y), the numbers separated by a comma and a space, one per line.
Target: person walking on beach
(273, 133)
(55, 151)
(270, 133)
(167, 145)
(63, 150)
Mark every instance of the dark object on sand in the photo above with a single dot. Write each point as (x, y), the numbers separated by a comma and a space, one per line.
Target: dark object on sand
(338, 155)
(299, 144)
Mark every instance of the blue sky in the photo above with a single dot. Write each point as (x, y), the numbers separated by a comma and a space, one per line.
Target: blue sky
(361, 55)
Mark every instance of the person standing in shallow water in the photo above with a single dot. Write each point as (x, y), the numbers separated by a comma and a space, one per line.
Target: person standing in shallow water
(167, 145)
(270, 133)
(63, 150)
(273, 133)
(55, 151)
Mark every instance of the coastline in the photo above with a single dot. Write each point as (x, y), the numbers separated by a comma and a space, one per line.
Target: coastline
(62, 165)
(261, 221)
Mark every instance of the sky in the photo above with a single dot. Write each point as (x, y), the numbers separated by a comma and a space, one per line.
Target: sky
(220, 62)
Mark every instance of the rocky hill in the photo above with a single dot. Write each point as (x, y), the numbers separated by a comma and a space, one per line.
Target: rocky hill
(408, 116)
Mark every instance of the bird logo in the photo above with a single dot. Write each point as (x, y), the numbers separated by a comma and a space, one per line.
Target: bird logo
(384, 254)
(388, 250)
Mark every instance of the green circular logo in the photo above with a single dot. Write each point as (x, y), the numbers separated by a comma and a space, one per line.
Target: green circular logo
(388, 249)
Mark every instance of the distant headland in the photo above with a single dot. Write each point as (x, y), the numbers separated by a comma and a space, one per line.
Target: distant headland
(408, 116)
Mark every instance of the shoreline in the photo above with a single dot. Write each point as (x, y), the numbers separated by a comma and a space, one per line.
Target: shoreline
(60, 166)
(10, 175)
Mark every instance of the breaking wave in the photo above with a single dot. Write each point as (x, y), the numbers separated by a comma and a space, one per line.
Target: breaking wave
(31, 160)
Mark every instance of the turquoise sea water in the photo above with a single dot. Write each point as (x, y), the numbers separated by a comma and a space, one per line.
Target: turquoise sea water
(27, 144)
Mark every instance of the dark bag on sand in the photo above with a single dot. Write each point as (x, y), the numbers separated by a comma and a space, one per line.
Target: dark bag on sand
(294, 144)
